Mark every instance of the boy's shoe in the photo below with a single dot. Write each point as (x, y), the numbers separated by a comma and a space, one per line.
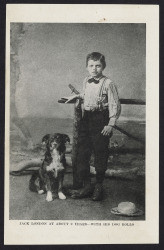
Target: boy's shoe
(98, 192)
(74, 189)
(84, 192)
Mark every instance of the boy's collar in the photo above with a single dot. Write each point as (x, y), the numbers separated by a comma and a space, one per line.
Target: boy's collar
(96, 78)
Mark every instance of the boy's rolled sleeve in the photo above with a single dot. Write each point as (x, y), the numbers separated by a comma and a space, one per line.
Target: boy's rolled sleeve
(113, 104)
(81, 95)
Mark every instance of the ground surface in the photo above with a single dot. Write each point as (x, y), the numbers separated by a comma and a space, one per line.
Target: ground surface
(25, 205)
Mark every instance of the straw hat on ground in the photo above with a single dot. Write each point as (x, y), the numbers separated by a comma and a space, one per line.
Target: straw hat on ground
(126, 209)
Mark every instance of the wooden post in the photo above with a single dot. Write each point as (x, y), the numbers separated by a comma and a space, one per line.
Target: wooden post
(76, 126)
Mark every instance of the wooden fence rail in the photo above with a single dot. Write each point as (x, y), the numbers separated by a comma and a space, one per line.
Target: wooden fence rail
(122, 101)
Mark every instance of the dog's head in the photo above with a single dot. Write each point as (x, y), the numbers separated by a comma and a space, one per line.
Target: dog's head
(55, 141)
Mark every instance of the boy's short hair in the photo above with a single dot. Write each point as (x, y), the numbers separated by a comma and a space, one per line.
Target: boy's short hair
(95, 56)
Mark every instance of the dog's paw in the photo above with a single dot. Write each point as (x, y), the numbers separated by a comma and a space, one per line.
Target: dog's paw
(61, 196)
(40, 191)
(49, 196)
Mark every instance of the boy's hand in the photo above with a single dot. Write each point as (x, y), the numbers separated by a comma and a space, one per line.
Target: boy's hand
(107, 130)
(71, 98)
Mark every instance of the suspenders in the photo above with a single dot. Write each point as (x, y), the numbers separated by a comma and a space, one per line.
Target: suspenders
(102, 87)
(101, 98)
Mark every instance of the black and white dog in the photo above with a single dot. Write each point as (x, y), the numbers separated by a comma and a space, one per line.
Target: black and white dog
(53, 167)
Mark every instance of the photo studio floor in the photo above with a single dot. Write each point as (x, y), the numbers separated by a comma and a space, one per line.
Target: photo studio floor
(25, 205)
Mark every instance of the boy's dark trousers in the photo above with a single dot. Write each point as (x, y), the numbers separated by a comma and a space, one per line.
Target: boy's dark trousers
(92, 141)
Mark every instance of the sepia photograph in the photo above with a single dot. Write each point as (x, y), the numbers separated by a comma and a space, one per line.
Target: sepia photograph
(77, 134)
(95, 139)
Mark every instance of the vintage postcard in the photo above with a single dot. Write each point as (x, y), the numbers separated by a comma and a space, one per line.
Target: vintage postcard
(81, 124)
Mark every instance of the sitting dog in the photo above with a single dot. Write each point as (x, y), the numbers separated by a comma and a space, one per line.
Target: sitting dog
(53, 166)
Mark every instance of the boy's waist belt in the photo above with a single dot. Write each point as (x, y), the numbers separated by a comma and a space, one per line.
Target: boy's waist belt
(95, 108)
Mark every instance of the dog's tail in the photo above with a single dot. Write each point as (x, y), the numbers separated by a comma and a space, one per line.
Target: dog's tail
(22, 172)
(26, 167)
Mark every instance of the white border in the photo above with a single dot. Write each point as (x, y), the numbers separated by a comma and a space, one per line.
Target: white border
(143, 231)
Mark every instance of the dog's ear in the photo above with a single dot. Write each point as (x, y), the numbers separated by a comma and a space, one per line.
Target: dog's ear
(66, 138)
(46, 139)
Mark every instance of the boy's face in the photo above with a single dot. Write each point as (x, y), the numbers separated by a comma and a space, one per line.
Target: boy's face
(95, 68)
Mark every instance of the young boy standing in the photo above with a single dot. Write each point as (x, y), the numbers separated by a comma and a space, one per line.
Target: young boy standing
(101, 110)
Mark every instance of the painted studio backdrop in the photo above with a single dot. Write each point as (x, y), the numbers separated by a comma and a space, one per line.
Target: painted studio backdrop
(45, 59)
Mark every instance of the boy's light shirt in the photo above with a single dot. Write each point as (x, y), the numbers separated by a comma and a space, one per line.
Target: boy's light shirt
(90, 96)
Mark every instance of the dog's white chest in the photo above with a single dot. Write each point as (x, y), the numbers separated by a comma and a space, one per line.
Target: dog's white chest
(56, 164)
(56, 156)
